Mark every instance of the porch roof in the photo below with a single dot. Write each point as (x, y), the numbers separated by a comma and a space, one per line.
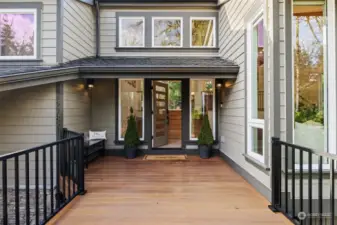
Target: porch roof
(135, 64)
(119, 67)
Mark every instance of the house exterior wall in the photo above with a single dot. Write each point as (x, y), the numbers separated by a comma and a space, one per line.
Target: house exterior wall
(78, 30)
(27, 119)
(103, 109)
(76, 106)
(109, 32)
(48, 29)
(233, 17)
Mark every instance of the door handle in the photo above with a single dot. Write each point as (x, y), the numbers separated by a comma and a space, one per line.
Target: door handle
(167, 117)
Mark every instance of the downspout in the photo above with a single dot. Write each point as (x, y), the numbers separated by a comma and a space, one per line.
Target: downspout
(98, 27)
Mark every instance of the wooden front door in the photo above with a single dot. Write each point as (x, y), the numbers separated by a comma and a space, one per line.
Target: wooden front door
(160, 114)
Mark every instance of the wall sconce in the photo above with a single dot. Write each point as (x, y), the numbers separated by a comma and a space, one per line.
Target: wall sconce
(219, 84)
(90, 84)
(229, 84)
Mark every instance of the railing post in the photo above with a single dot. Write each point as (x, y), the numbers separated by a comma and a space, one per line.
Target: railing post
(276, 174)
(81, 181)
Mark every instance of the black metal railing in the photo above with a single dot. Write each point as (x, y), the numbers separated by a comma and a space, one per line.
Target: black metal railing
(303, 184)
(37, 183)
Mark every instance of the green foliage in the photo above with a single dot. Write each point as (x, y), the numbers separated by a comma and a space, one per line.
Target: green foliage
(131, 135)
(309, 113)
(206, 136)
(196, 114)
(175, 94)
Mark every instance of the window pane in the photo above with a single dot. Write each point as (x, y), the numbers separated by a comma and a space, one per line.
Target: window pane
(309, 58)
(174, 95)
(167, 32)
(131, 32)
(201, 104)
(17, 32)
(257, 140)
(131, 95)
(258, 71)
(203, 33)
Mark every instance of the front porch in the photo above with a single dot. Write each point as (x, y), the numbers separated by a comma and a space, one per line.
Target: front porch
(194, 191)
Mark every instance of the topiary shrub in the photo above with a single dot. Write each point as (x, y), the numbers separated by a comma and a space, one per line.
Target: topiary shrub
(131, 138)
(205, 136)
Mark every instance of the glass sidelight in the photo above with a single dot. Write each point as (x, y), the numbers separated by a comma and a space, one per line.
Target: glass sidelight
(131, 94)
(202, 102)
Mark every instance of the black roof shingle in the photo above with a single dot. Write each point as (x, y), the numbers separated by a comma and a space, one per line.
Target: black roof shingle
(127, 62)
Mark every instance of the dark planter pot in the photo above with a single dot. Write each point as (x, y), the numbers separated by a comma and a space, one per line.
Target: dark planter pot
(204, 151)
(131, 152)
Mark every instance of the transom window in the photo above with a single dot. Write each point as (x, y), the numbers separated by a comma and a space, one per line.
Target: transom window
(18, 29)
(131, 32)
(202, 32)
(167, 32)
(255, 88)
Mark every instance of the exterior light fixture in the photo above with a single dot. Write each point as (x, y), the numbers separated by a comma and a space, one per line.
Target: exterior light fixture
(90, 83)
(229, 84)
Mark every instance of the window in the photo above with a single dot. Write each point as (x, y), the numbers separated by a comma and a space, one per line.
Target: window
(309, 74)
(131, 94)
(202, 32)
(167, 32)
(255, 88)
(18, 29)
(131, 32)
(202, 102)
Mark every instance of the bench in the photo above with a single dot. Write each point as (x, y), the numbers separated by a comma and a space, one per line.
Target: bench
(92, 148)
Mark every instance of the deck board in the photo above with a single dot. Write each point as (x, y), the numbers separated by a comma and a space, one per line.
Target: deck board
(198, 192)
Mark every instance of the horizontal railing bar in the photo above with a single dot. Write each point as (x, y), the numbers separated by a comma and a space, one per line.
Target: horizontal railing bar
(22, 152)
(309, 150)
(294, 146)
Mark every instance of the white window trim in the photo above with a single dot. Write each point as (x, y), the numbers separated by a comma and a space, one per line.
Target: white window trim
(213, 31)
(17, 11)
(181, 31)
(214, 115)
(120, 19)
(120, 138)
(253, 122)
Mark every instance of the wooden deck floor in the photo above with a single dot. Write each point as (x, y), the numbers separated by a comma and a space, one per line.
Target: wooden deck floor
(198, 192)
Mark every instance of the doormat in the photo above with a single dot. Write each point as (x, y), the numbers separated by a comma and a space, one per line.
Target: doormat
(165, 157)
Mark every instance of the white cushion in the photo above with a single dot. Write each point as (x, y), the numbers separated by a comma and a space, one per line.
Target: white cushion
(97, 135)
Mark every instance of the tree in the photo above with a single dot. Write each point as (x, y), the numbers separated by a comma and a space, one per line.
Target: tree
(7, 36)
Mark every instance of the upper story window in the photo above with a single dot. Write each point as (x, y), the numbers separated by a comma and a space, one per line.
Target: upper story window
(131, 32)
(167, 32)
(18, 39)
(202, 32)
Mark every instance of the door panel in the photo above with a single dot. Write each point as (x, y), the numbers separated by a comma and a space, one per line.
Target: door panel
(160, 114)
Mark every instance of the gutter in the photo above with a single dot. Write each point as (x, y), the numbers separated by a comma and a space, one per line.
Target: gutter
(98, 28)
